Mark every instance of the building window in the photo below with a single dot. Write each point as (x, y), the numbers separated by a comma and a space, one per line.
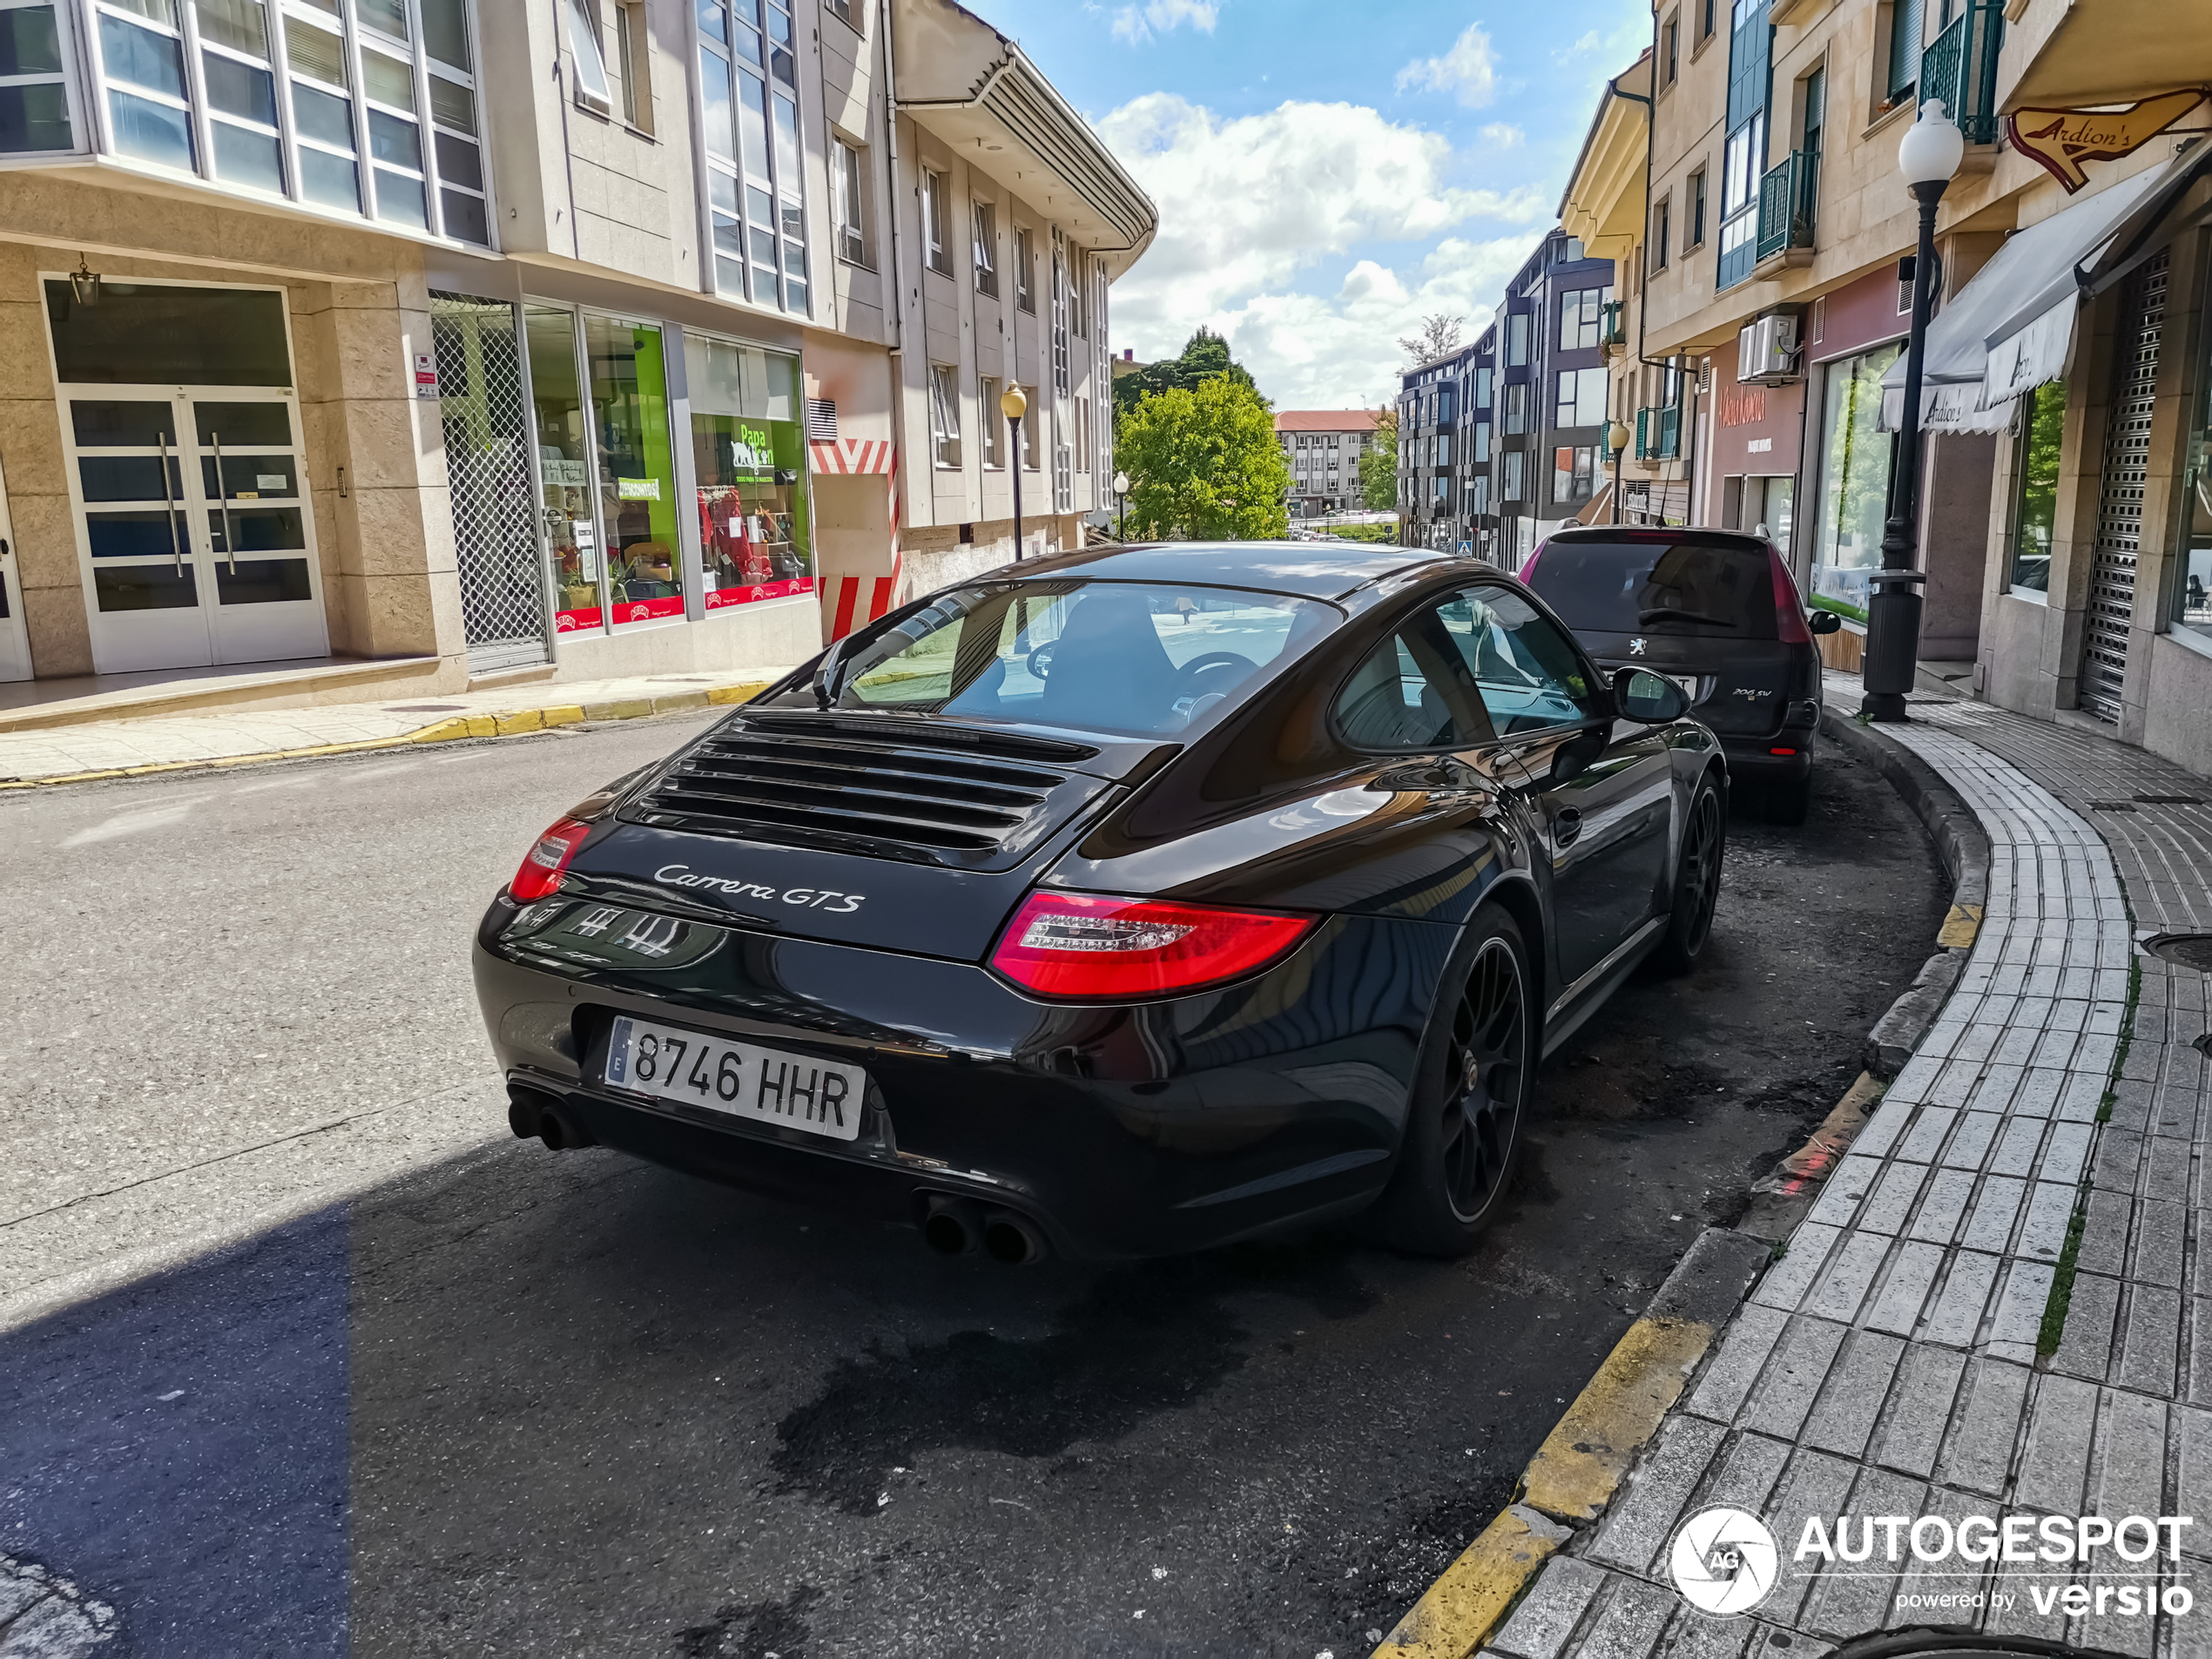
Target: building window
(933, 199)
(2193, 577)
(1482, 389)
(2035, 468)
(749, 128)
(944, 414)
(1695, 231)
(1510, 486)
(1025, 271)
(585, 48)
(34, 92)
(1705, 19)
(1573, 471)
(842, 11)
(633, 64)
(1670, 49)
(1481, 440)
(1743, 160)
(1662, 233)
(1581, 397)
(1907, 20)
(848, 193)
(1581, 318)
(987, 411)
(987, 249)
(1516, 410)
(1517, 340)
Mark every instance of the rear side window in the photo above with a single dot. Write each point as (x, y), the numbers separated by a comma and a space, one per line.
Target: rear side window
(1476, 666)
(1715, 589)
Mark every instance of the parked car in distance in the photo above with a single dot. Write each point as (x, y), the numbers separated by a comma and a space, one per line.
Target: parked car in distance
(1121, 902)
(1718, 612)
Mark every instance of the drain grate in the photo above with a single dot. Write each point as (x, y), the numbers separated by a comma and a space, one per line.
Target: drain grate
(2170, 801)
(2183, 950)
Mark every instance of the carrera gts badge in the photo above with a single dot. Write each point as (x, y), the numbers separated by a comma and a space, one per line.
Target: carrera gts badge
(681, 875)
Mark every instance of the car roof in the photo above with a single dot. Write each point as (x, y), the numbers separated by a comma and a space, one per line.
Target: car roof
(1276, 567)
(1669, 534)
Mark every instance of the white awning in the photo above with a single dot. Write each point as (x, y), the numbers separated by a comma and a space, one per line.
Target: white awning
(2010, 329)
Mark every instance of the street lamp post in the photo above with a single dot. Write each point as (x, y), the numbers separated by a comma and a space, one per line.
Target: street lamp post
(1617, 435)
(1928, 158)
(1014, 406)
(1121, 495)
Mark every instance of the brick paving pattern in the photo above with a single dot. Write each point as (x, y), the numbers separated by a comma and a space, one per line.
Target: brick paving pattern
(1886, 1365)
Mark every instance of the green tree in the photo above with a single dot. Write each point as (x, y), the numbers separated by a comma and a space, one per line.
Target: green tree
(1203, 465)
(1379, 464)
(1205, 356)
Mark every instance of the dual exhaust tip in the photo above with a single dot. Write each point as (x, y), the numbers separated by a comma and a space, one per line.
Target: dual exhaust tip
(536, 1117)
(960, 1227)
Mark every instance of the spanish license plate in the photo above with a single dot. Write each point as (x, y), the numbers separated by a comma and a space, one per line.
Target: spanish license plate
(671, 1062)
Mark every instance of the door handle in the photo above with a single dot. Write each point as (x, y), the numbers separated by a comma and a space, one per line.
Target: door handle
(169, 508)
(1566, 825)
(223, 494)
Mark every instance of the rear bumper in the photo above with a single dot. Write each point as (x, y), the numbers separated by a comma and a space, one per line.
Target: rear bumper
(1131, 1131)
(1752, 760)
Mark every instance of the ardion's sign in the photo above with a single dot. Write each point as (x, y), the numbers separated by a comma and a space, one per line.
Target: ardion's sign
(2065, 140)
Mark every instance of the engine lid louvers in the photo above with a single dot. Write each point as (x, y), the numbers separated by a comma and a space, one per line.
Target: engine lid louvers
(968, 799)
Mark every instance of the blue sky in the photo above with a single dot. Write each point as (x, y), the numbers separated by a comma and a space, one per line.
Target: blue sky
(1328, 174)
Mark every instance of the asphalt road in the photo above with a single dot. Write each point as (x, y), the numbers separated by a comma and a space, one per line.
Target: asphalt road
(496, 1400)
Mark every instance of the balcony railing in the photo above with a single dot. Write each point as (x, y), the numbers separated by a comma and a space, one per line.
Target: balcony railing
(1659, 433)
(1959, 66)
(1787, 197)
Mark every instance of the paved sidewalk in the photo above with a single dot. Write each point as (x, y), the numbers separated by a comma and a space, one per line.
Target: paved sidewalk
(109, 747)
(1891, 1362)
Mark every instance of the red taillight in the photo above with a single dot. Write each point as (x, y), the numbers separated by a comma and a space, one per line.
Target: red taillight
(1782, 752)
(541, 866)
(1789, 610)
(1079, 945)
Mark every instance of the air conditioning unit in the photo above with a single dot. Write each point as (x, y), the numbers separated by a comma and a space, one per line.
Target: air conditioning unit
(1766, 351)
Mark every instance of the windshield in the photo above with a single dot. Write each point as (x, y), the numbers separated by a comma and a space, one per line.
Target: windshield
(1719, 589)
(1113, 657)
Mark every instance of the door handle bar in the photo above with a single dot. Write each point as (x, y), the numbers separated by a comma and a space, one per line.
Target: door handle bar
(169, 508)
(223, 492)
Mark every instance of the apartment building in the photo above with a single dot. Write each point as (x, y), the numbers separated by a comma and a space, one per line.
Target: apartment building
(1508, 438)
(2064, 547)
(1323, 448)
(375, 346)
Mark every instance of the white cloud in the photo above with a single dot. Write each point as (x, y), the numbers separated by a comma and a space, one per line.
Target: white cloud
(1247, 202)
(1503, 135)
(1138, 24)
(1468, 70)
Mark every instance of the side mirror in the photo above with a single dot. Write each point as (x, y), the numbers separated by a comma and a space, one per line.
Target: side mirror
(1823, 622)
(1648, 699)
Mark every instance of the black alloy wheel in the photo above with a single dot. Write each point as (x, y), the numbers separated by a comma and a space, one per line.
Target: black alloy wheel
(1697, 880)
(1464, 1127)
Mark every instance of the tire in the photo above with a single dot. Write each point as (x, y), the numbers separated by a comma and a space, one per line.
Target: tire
(1697, 881)
(1478, 1077)
(1787, 804)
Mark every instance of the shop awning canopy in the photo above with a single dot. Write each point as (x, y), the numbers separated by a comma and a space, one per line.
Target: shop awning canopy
(2010, 329)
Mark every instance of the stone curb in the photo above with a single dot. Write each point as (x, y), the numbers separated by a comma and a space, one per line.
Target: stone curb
(506, 724)
(1964, 846)
(1581, 1464)
(42, 1616)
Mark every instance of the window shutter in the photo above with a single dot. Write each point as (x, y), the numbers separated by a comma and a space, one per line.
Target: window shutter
(1905, 20)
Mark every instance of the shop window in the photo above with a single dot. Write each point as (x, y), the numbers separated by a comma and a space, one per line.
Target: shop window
(2193, 572)
(2035, 472)
(636, 469)
(1854, 458)
(748, 453)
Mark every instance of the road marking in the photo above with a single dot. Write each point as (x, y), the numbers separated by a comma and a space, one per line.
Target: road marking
(122, 824)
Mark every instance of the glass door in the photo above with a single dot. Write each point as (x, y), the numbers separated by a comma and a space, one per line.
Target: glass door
(637, 468)
(193, 526)
(15, 645)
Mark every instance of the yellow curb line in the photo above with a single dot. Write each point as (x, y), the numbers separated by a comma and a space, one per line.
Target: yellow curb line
(513, 723)
(1573, 1476)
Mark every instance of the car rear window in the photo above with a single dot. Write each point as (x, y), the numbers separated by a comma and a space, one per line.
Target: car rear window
(1117, 657)
(1719, 589)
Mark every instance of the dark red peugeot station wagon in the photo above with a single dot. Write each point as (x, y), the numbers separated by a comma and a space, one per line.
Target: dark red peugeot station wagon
(1718, 612)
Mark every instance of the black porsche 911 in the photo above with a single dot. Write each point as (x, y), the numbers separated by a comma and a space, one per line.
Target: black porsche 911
(1123, 902)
